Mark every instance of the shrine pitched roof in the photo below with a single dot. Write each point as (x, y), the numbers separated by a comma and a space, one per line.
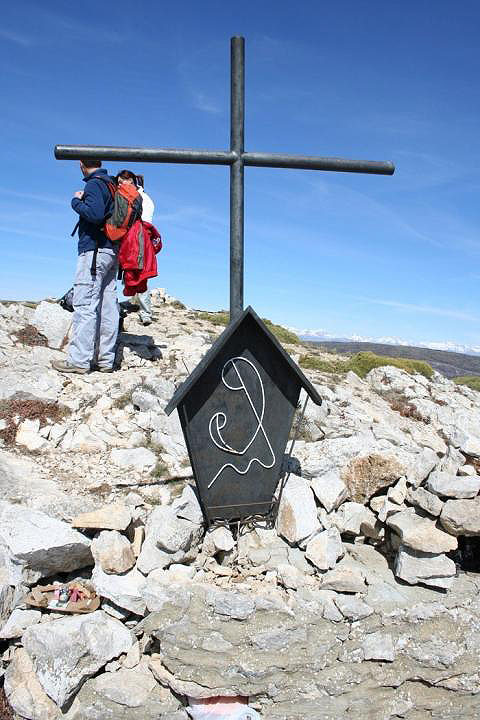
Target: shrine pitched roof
(247, 315)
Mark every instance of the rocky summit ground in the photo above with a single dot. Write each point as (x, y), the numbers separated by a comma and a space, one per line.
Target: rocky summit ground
(362, 601)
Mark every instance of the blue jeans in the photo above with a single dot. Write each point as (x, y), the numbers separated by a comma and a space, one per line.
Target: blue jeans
(95, 311)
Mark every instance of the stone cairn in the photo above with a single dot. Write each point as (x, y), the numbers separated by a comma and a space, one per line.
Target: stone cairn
(356, 603)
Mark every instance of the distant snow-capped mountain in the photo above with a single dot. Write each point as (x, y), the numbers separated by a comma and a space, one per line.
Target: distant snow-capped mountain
(319, 335)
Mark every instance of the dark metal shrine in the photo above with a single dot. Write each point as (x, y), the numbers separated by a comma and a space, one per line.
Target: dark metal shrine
(236, 410)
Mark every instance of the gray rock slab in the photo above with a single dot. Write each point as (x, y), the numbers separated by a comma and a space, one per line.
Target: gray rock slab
(140, 459)
(108, 696)
(18, 621)
(426, 568)
(378, 646)
(325, 549)
(453, 486)
(297, 513)
(110, 517)
(66, 652)
(330, 490)
(123, 590)
(24, 692)
(53, 322)
(113, 552)
(421, 533)
(44, 545)
(461, 517)
(425, 500)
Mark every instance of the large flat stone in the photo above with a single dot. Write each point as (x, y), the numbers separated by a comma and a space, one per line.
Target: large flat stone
(66, 652)
(415, 567)
(420, 533)
(453, 486)
(123, 590)
(25, 693)
(461, 517)
(111, 517)
(42, 544)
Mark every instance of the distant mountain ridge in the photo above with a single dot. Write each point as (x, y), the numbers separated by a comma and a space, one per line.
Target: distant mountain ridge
(447, 346)
(448, 363)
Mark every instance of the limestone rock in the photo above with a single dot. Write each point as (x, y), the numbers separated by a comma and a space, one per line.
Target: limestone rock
(28, 435)
(415, 567)
(110, 517)
(425, 501)
(344, 579)
(329, 490)
(351, 516)
(123, 590)
(187, 506)
(171, 532)
(7, 596)
(25, 693)
(461, 517)
(141, 459)
(220, 539)
(113, 552)
(420, 533)
(398, 492)
(471, 446)
(365, 476)
(53, 322)
(424, 463)
(44, 545)
(129, 687)
(95, 700)
(352, 608)
(290, 577)
(160, 595)
(325, 549)
(297, 512)
(66, 652)
(18, 621)
(453, 486)
(378, 646)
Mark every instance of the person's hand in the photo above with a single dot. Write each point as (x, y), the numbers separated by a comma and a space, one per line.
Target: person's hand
(79, 194)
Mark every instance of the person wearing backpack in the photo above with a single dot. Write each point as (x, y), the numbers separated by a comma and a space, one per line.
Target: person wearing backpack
(95, 304)
(143, 300)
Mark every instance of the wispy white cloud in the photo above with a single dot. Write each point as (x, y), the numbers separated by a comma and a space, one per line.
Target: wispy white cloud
(17, 38)
(202, 102)
(33, 196)
(424, 309)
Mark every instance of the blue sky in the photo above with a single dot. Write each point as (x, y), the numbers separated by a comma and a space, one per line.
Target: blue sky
(348, 253)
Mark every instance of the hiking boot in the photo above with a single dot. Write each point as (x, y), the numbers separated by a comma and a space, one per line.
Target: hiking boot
(104, 369)
(66, 367)
(146, 322)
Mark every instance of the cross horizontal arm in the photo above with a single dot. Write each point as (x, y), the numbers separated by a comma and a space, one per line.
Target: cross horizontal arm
(155, 155)
(308, 162)
(220, 157)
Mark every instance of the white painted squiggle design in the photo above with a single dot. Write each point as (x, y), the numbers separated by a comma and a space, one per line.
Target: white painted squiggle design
(219, 420)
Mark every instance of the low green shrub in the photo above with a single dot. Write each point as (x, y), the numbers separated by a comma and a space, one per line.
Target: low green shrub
(217, 318)
(361, 363)
(471, 381)
(281, 333)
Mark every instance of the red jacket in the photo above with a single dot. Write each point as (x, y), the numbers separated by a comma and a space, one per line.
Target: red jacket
(137, 256)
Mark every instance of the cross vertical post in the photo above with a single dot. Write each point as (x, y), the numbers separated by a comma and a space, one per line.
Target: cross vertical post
(237, 139)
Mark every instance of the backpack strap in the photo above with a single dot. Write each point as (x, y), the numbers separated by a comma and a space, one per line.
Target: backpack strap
(112, 188)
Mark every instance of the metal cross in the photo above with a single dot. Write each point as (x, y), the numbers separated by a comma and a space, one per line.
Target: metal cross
(236, 158)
